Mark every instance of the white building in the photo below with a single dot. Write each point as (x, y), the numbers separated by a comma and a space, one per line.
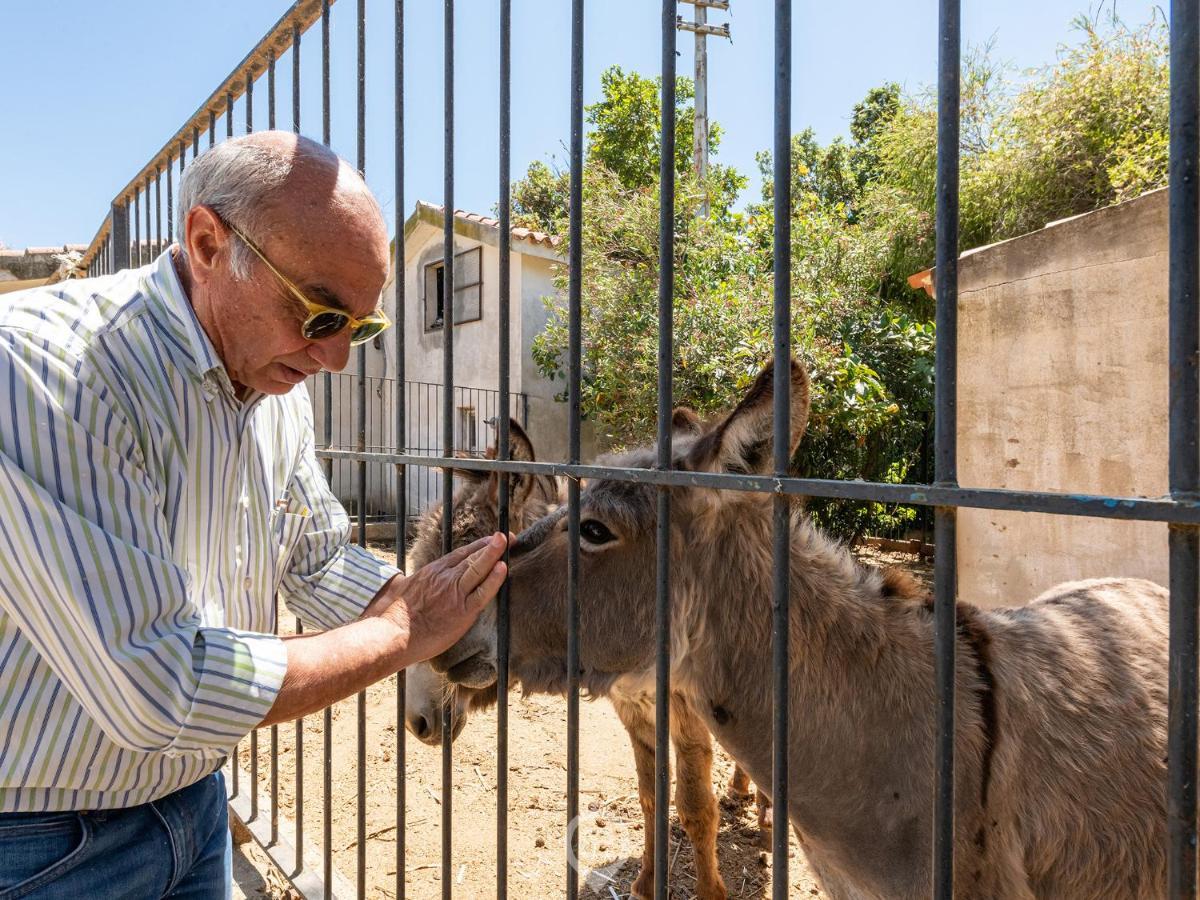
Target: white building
(535, 261)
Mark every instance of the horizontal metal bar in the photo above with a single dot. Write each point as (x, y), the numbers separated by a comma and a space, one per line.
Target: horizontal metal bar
(1143, 509)
(682, 24)
(711, 4)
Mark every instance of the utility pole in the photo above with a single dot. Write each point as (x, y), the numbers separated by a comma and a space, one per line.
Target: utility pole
(699, 25)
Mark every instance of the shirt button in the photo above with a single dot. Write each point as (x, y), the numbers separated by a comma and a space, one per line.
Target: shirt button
(248, 583)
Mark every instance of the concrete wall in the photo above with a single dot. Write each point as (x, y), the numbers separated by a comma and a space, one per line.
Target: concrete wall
(476, 346)
(1063, 387)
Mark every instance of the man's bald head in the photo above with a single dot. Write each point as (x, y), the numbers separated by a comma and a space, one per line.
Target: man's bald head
(275, 181)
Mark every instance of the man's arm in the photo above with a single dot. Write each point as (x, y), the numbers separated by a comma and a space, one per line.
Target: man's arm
(410, 620)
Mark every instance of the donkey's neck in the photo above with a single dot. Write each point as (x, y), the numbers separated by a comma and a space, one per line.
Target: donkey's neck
(860, 678)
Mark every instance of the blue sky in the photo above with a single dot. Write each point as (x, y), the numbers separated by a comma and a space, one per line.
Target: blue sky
(93, 90)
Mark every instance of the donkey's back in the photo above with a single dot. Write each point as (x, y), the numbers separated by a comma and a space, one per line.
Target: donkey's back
(1080, 683)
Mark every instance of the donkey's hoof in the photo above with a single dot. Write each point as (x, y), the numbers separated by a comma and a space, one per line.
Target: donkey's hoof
(643, 887)
(766, 818)
(712, 891)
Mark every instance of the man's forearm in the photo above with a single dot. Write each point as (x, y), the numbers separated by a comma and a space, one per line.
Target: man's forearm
(411, 618)
(328, 666)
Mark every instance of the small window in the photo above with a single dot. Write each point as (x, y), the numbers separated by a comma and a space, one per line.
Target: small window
(468, 290)
(468, 430)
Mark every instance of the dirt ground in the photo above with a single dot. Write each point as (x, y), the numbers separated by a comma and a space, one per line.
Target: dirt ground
(610, 833)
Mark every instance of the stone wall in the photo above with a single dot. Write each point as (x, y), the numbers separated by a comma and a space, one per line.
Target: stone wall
(33, 264)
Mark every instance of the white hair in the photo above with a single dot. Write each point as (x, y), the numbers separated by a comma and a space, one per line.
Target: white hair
(237, 179)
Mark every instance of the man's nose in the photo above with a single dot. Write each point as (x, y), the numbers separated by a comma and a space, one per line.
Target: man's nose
(333, 352)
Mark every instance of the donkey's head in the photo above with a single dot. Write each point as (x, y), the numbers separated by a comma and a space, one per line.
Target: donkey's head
(617, 545)
(475, 513)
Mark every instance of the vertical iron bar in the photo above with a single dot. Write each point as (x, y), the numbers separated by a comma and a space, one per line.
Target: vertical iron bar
(574, 292)
(212, 127)
(781, 517)
(249, 100)
(171, 198)
(400, 280)
(299, 782)
(147, 257)
(137, 228)
(666, 299)
(1184, 464)
(325, 133)
(447, 406)
(299, 625)
(195, 144)
(946, 440)
(271, 90)
(254, 774)
(325, 139)
(296, 77)
(327, 824)
(361, 849)
(158, 210)
(275, 768)
(502, 609)
(229, 114)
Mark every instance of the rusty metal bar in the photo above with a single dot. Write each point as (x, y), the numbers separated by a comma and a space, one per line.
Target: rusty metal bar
(504, 350)
(1183, 461)
(447, 407)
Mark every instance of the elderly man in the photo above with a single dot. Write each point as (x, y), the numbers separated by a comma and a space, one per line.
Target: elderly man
(158, 486)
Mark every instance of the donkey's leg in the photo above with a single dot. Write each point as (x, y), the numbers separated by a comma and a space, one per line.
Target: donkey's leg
(762, 802)
(694, 800)
(739, 785)
(641, 735)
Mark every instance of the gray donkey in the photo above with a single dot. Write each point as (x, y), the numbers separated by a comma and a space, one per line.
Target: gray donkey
(1060, 728)
(475, 513)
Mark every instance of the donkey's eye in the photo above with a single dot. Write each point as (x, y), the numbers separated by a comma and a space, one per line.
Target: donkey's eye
(595, 532)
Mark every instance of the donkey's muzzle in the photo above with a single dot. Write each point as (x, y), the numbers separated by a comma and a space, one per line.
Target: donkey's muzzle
(476, 672)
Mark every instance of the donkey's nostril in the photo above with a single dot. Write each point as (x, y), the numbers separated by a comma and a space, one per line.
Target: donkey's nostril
(420, 727)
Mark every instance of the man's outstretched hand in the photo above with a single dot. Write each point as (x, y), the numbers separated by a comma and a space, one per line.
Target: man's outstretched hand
(438, 603)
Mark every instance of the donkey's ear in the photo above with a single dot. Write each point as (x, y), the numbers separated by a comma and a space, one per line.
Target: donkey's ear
(521, 484)
(471, 476)
(686, 421)
(519, 444)
(743, 441)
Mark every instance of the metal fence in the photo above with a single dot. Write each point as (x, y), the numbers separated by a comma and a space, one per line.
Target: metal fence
(476, 422)
(115, 247)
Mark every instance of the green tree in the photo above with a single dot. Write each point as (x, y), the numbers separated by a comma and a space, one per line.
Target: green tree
(539, 200)
(1086, 131)
(624, 139)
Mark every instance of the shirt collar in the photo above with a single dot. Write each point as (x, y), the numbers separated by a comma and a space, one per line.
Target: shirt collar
(163, 287)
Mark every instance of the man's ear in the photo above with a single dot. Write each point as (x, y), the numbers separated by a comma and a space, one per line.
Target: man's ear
(742, 442)
(206, 240)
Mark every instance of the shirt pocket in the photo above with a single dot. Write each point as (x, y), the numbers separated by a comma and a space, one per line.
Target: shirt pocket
(286, 530)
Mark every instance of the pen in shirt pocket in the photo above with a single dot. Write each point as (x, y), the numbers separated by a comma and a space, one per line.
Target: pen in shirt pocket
(281, 505)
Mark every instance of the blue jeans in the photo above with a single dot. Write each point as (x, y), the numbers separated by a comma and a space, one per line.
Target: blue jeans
(176, 847)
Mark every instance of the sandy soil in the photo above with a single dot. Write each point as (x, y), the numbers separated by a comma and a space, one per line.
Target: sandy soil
(610, 834)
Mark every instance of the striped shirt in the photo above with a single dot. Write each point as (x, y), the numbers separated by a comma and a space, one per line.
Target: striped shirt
(148, 518)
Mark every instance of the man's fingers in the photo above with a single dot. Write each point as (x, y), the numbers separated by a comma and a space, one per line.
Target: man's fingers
(456, 556)
(479, 564)
(481, 595)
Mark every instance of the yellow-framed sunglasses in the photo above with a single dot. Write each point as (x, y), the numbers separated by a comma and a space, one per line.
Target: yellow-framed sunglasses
(323, 321)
